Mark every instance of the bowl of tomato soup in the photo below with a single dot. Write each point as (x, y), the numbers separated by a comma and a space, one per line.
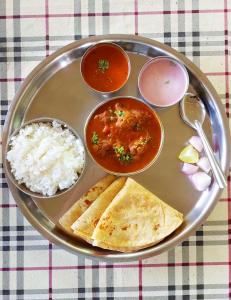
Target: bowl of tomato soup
(124, 135)
(105, 67)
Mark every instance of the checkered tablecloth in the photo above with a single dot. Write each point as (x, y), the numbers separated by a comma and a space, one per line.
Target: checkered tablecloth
(31, 267)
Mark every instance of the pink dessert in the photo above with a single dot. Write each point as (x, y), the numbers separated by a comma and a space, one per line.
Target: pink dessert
(163, 81)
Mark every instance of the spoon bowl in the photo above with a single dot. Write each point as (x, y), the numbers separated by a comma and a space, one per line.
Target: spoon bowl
(191, 109)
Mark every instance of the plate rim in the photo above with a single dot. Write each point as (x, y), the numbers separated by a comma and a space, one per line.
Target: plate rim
(157, 249)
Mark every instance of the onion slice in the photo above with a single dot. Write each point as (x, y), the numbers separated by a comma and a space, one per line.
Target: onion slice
(196, 142)
(204, 164)
(189, 169)
(201, 181)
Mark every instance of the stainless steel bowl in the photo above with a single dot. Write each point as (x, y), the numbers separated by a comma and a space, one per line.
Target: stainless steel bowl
(124, 173)
(23, 187)
(153, 60)
(94, 47)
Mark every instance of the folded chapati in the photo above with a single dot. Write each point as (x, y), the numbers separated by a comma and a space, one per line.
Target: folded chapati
(84, 202)
(84, 226)
(135, 219)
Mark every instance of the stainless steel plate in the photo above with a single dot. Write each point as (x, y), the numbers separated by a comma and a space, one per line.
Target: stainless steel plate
(55, 89)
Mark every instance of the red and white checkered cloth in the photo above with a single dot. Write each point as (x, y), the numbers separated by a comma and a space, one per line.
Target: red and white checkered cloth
(32, 268)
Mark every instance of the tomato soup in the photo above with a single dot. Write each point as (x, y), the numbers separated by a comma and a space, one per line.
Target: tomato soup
(105, 67)
(124, 135)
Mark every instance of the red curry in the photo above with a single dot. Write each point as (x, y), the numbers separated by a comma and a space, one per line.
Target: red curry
(123, 135)
(105, 67)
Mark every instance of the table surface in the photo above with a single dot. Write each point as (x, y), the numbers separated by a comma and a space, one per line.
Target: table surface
(31, 267)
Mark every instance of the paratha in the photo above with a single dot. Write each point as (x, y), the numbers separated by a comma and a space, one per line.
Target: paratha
(86, 223)
(84, 202)
(134, 220)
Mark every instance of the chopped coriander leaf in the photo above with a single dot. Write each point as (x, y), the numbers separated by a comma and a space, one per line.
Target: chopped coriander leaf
(95, 138)
(128, 157)
(103, 65)
(119, 150)
(119, 113)
(122, 155)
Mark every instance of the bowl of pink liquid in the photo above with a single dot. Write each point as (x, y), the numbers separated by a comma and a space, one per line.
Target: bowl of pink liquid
(163, 81)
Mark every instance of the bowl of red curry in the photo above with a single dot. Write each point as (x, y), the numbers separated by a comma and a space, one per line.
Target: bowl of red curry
(124, 135)
(105, 67)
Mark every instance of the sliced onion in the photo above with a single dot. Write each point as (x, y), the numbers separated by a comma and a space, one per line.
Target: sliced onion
(196, 142)
(204, 164)
(189, 169)
(201, 181)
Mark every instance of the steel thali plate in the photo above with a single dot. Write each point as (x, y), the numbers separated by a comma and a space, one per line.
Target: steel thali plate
(56, 89)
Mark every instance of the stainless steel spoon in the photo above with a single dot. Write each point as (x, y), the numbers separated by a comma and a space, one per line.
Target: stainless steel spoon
(192, 111)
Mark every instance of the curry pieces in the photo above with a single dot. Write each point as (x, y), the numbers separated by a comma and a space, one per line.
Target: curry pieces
(123, 134)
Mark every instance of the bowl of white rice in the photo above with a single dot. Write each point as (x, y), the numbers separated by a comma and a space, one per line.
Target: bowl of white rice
(45, 157)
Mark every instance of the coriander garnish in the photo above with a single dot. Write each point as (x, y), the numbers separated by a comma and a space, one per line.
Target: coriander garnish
(119, 113)
(103, 65)
(127, 157)
(122, 155)
(119, 150)
(95, 138)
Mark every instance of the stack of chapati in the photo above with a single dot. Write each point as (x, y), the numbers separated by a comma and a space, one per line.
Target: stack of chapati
(120, 214)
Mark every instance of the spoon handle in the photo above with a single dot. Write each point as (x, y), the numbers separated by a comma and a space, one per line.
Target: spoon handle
(220, 177)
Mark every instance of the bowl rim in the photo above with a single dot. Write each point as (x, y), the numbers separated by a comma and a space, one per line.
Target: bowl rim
(153, 60)
(95, 45)
(155, 158)
(22, 187)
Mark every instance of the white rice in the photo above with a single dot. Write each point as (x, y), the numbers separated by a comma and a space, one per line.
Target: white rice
(46, 157)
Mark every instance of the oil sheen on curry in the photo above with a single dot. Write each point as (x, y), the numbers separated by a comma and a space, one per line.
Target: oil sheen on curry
(123, 135)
